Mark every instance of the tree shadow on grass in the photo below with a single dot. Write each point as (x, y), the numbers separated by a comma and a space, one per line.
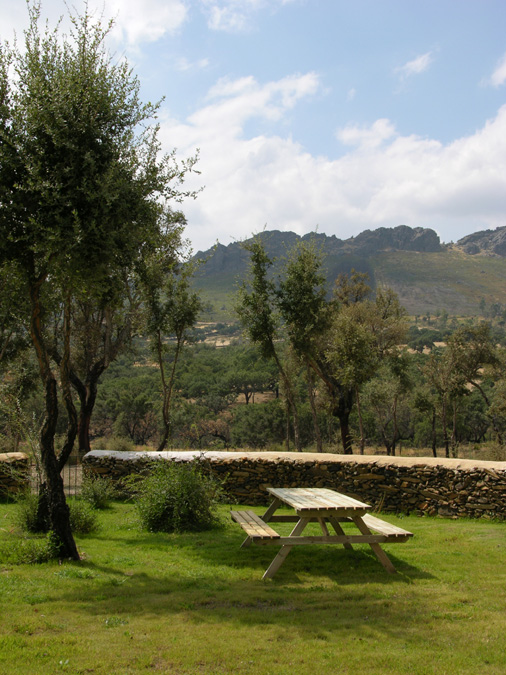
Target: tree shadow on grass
(350, 591)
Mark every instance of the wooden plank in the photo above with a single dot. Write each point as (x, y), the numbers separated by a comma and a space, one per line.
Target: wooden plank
(268, 514)
(392, 531)
(293, 540)
(316, 499)
(339, 531)
(253, 525)
(377, 550)
(285, 550)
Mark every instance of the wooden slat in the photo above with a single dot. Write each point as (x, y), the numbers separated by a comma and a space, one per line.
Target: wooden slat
(391, 531)
(253, 525)
(315, 499)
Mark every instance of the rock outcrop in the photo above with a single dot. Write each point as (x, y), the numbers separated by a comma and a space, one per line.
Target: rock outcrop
(487, 242)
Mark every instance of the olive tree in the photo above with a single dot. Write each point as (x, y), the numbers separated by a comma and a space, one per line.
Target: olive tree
(83, 192)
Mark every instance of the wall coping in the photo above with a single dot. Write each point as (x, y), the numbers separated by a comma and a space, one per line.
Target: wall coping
(12, 456)
(303, 457)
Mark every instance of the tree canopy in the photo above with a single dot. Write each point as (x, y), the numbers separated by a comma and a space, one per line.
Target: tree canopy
(84, 195)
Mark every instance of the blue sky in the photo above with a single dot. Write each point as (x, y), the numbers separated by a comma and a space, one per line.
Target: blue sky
(332, 115)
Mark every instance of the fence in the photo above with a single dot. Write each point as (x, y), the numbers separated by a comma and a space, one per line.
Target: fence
(71, 474)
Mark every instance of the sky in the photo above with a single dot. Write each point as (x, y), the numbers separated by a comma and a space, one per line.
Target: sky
(334, 116)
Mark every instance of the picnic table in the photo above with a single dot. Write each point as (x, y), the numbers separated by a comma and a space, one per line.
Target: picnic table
(326, 507)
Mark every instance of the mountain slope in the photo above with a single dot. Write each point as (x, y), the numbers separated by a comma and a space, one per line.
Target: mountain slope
(427, 275)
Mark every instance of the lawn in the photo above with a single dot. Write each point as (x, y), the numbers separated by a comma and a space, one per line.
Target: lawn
(195, 603)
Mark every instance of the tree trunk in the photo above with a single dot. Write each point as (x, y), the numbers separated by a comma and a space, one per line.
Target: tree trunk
(445, 429)
(454, 429)
(360, 421)
(167, 386)
(493, 419)
(59, 514)
(346, 438)
(291, 402)
(316, 426)
(434, 434)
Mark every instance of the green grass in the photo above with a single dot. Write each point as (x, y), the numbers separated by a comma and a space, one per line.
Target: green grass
(195, 603)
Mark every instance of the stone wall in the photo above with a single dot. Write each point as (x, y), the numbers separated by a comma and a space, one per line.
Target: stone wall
(444, 487)
(14, 473)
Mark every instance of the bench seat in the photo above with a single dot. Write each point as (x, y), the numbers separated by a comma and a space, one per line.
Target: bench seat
(253, 525)
(381, 526)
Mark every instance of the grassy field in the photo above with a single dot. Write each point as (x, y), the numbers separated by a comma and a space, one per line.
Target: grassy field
(195, 603)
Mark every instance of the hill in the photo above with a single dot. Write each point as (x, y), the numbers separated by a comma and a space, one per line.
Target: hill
(428, 276)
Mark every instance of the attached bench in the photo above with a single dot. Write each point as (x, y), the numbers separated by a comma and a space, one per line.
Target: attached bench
(391, 531)
(254, 526)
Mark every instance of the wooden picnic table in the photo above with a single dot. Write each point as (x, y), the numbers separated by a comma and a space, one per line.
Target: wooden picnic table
(326, 507)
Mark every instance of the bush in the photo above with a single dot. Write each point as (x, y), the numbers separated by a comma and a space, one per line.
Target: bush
(98, 492)
(120, 444)
(29, 551)
(83, 519)
(26, 512)
(177, 498)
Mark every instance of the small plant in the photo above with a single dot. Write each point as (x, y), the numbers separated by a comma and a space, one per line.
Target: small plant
(98, 491)
(177, 498)
(83, 519)
(26, 513)
(30, 551)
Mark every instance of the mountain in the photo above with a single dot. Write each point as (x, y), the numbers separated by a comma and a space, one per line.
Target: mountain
(487, 242)
(428, 276)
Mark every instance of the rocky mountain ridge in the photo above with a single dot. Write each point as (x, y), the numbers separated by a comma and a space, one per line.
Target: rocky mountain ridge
(233, 257)
(428, 276)
(486, 242)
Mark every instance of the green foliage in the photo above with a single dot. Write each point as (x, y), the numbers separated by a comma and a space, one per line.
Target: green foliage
(98, 491)
(26, 512)
(258, 426)
(29, 550)
(83, 519)
(120, 444)
(177, 498)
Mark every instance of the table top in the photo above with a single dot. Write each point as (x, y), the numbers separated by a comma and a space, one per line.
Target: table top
(305, 500)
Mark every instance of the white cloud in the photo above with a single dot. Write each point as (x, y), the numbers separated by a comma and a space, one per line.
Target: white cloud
(235, 15)
(183, 65)
(384, 179)
(351, 94)
(499, 75)
(367, 137)
(146, 21)
(418, 65)
(135, 22)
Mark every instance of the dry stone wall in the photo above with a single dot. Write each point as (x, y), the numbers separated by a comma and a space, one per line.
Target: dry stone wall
(443, 487)
(14, 473)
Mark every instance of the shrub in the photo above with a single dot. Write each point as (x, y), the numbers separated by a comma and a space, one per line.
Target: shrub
(120, 444)
(26, 512)
(177, 498)
(30, 550)
(98, 492)
(83, 519)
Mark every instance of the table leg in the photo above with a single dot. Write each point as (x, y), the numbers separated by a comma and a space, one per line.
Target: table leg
(339, 531)
(378, 551)
(285, 550)
(272, 507)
